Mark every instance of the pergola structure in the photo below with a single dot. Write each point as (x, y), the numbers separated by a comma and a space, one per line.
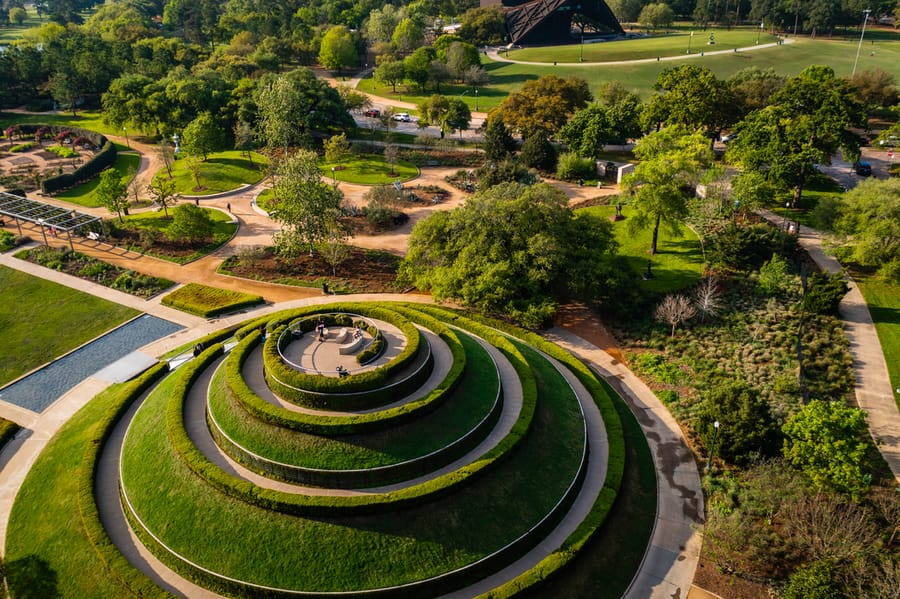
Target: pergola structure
(44, 215)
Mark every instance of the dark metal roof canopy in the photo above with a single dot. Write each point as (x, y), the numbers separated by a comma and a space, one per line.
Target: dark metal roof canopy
(45, 215)
(550, 21)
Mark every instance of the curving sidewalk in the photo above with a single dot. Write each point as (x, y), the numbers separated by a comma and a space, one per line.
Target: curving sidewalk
(494, 54)
(873, 390)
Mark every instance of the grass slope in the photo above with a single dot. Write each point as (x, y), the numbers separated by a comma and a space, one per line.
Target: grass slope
(883, 300)
(42, 320)
(84, 195)
(350, 553)
(458, 414)
(206, 301)
(368, 169)
(223, 171)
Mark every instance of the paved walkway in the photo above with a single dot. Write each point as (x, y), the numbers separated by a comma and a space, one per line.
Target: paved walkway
(873, 389)
(494, 54)
(671, 559)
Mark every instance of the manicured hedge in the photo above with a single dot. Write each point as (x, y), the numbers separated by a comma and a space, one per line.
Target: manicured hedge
(104, 158)
(319, 505)
(207, 302)
(108, 553)
(317, 424)
(8, 430)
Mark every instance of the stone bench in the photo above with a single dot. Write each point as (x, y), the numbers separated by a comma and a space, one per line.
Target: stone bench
(352, 346)
(341, 336)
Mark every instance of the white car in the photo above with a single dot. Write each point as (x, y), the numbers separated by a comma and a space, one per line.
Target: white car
(401, 116)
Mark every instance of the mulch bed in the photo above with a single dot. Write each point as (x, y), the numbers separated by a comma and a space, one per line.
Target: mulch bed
(364, 271)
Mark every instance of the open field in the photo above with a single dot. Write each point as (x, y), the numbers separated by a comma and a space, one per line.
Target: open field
(40, 323)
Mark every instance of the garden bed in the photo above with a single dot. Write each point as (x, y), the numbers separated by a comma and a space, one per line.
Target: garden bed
(97, 271)
(364, 271)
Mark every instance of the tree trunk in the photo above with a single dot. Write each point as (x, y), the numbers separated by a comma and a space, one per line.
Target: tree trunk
(655, 236)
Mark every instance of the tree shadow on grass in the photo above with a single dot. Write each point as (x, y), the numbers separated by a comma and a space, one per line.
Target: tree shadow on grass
(32, 577)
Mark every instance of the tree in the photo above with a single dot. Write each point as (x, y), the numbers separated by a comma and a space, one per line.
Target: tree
(166, 152)
(656, 16)
(390, 73)
(670, 161)
(708, 297)
(337, 50)
(870, 224)
(749, 191)
(828, 441)
(674, 310)
(307, 206)
(112, 192)
(747, 428)
(417, 66)
(691, 96)
(333, 248)
(874, 89)
(538, 152)
(485, 26)
(544, 104)
(407, 36)
(190, 223)
(244, 139)
(753, 88)
(459, 57)
(382, 23)
(458, 116)
(498, 143)
(336, 148)
(17, 15)
(391, 152)
(511, 248)
(162, 190)
(805, 124)
(193, 163)
(203, 136)
(450, 114)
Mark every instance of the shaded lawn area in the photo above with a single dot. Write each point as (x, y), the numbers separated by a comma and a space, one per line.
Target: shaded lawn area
(677, 264)
(883, 300)
(818, 187)
(87, 119)
(368, 169)
(42, 320)
(12, 32)
(223, 171)
(83, 195)
(223, 230)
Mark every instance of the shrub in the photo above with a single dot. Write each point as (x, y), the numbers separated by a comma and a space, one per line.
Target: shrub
(774, 276)
(815, 581)
(206, 301)
(824, 293)
(537, 152)
(22, 147)
(747, 248)
(63, 151)
(890, 271)
(747, 428)
(572, 167)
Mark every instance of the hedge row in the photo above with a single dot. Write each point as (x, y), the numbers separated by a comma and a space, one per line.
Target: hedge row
(317, 424)
(107, 552)
(319, 505)
(105, 157)
(206, 302)
(604, 396)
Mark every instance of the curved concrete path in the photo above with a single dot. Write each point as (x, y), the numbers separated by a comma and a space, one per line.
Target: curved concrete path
(494, 54)
(873, 389)
(671, 559)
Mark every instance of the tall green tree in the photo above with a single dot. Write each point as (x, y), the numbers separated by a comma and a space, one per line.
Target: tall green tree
(869, 220)
(390, 73)
(498, 143)
(203, 136)
(337, 50)
(307, 207)
(112, 192)
(670, 162)
(190, 223)
(544, 104)
(162, 190)
(805, 124)
(513, 249)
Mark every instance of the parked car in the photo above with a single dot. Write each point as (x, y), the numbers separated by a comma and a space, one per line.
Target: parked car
(401, 116)
(372, 112)
(863, 169)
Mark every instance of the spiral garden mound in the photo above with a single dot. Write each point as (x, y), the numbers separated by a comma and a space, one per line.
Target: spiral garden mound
(455, 448)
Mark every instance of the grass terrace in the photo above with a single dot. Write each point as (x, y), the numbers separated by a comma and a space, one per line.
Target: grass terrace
(207, 302)
(368, 169)
(84, 195)
(52, 321)
(223, 171)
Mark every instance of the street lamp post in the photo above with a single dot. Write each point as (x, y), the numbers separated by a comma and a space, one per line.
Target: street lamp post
(690, 39)
(861, 35)
(581, 56)
(476, 99)
(333, 178)
(712, 449)
(759, 32)
(127, 143)
(787, 206)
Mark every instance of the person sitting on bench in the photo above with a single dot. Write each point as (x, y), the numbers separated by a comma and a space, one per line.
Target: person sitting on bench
(342, 372)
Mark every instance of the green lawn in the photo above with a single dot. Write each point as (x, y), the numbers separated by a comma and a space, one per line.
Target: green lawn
(662, 44)
(223, 171)
(677, 264)
(11, 32)
(223, 230)
(206, 301)
(88, 119)
(43, 320)
(368, 169)
(83, 195)
(334, 553)
(788, 59)
(883, 300)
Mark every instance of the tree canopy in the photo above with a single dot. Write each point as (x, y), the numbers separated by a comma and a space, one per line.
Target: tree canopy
(544, 104)
(511, 248)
